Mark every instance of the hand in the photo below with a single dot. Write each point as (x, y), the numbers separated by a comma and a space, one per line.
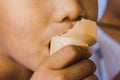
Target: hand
(117, 77)
(70, 63)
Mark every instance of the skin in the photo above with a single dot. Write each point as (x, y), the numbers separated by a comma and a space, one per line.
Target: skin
(117, 77)
(9, 73)
(26, 28)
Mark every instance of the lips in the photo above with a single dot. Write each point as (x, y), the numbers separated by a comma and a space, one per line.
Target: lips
(67, 26)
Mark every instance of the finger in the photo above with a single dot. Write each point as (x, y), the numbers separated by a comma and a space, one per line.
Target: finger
(91, 77)
(67, 56)
(90, 51)
(79, 70)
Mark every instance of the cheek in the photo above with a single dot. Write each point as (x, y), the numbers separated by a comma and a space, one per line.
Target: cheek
(24, 25)
(18, 39)
(23, 45)
(91, 9)
(23, 31)
(23, 35)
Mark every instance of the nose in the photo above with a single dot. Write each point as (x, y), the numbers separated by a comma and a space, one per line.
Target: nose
(69, 10)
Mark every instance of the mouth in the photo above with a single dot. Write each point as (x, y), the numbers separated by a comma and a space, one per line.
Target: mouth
(49, 44)
(62, 33)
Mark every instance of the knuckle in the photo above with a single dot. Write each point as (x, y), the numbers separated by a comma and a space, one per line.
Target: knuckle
(61, 77)
(92, 77)
(43, 69)
(93, 65)
(95, 77)
(87, 53)
(73, 51)
(77, 51)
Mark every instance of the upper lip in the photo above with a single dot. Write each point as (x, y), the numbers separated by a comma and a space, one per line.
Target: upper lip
(73, 23)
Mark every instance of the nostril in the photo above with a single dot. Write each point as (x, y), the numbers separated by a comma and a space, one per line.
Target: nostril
(66, 19)
(73, 19)
(78, 18)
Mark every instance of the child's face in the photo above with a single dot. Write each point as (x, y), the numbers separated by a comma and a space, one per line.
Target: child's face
(26, 26)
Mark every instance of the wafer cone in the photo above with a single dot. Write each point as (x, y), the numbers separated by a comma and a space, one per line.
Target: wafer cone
(82, 34)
